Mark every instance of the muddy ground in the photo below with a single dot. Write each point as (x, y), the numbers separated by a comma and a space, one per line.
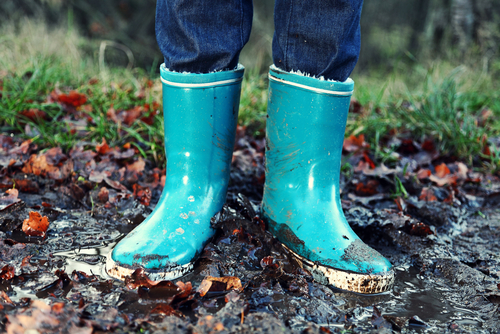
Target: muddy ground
(442, 238)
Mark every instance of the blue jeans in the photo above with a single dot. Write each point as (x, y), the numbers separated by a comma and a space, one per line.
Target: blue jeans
(318, 37)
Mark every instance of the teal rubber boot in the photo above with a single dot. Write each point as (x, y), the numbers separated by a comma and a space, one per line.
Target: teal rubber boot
(301, 205)
(200, 116)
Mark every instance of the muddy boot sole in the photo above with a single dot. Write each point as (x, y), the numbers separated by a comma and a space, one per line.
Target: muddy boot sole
(346, 280)
(116, 271)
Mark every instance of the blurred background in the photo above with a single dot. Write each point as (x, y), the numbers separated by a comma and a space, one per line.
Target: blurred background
(428, 70)
(393, 31)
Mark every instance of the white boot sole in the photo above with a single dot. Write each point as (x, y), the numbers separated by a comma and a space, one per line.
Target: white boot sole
(116, 271)
(345, 280)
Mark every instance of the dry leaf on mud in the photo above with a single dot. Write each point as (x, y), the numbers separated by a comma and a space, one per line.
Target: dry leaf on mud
(442, 170)
(7, 272)
(36, 225)
(219, 284)
(427, 194)
(10, 198)
(353, 143)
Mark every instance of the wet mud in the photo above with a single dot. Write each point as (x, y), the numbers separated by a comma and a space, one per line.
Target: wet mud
(446, 259)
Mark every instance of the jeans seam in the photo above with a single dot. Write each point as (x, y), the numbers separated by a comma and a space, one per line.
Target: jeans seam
(241, 22)
(287, 34)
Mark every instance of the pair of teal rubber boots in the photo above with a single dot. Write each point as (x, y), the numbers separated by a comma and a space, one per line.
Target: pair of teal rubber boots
(301, 205)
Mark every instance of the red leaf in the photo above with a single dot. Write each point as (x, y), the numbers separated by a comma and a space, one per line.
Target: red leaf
(73, 98)
(428, 145)
(34, 114)
(368, 189)
(103, 148)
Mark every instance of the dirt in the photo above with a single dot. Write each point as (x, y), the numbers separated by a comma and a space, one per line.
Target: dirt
(445, 254)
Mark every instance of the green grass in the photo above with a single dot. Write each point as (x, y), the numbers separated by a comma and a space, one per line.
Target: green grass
(437, 101)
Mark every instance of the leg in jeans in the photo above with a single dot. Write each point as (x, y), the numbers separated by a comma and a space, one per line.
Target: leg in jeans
(304, 134)
(317, 37)
(200, 109)
(202, 36)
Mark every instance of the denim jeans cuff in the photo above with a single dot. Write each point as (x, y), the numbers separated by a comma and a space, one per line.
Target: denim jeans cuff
(238, 67)
(307, 75)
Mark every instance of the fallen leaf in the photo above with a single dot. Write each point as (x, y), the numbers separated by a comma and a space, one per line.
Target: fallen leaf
(73, 98)
(427, 194)
(102, 148)
(449, 179)
(368, 189)
(353, 143)
(5, 298)
(137, 166)
(7, 272)
(423, 174)
(228, 283)
(27, 186)
(11, 197)
(142, 194)
(418, 229)
(36, 225)
(355, 107)
(34, 114)
(166, 309)
(442, 170)
(103, 195)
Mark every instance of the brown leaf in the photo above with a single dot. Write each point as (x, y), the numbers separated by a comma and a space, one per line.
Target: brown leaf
(428, 145)
(55, 156)
(353, 143)
(5, 298)
(10, 198)
(26, 261)
(103, 195)
(115, 184)
(379, 171)
(73, 98)
(228, 283)
(34, 114)
(423, 174)
(427, 194)
(57, 308)
(27, 186)
(7, 272)
(368, 189)
(131, 115)
(139, 278)
(448, 179)
(98, 177)
(142, 194)
(355, 107)
(136, 166)
(418, 229)
(166, 309)
(442, 170)
(484, 115)
(103, 148)
(42, 165)
(36, 225)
